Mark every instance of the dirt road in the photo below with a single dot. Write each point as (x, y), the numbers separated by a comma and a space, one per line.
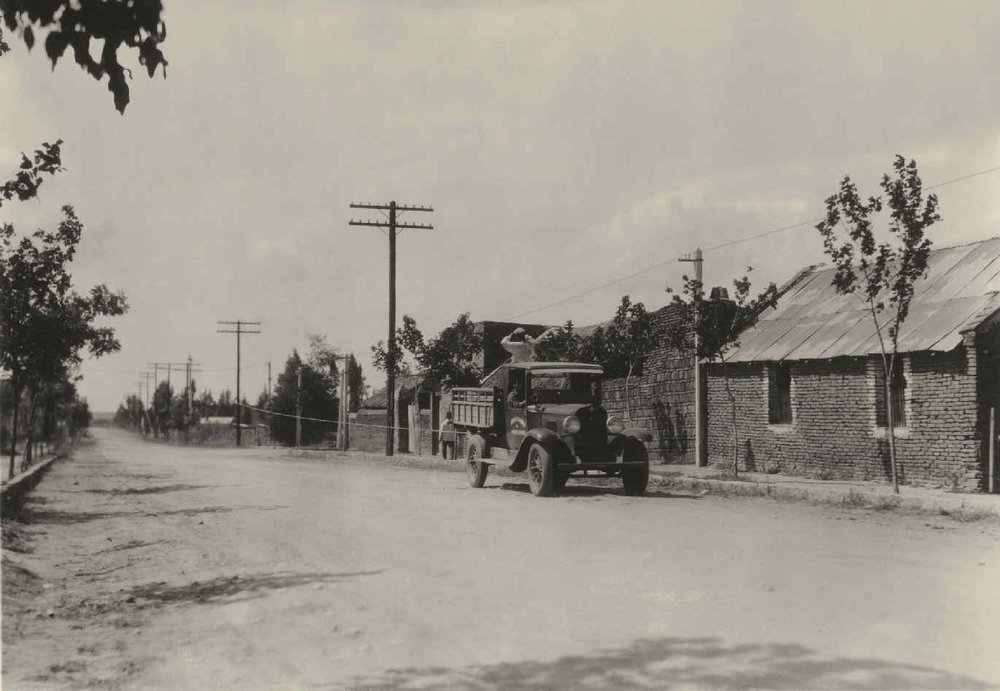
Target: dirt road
(150, 566)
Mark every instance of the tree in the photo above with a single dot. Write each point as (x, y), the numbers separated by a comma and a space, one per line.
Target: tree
(448, 358)
(561, 344)
(881, 274)
(79, 418)
(314, 398)
(135, 24)
(45, 323)
(626, 343)
(130, 414)
(717, 324)
(355, 384)
(162, 406)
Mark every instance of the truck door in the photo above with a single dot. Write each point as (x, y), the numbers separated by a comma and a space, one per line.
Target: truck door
(515, 403)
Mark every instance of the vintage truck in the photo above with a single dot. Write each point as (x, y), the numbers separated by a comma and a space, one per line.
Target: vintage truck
(546, 418)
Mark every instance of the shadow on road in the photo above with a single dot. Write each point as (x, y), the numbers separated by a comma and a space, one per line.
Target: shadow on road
(162, 489)
(573, 490)
(234, 588)
(67, 517)
(683, 663)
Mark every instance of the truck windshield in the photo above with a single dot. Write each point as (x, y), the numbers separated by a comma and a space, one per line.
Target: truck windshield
(554, 387)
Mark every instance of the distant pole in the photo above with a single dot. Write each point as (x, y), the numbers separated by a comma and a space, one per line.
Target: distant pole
(239, 331)
(268, 384)
(393, 227)
(700, 450)
(342, 411)
(298, 410)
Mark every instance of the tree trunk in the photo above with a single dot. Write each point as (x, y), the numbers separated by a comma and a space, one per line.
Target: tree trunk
(887, 364)
(28, 456)
(13, 434)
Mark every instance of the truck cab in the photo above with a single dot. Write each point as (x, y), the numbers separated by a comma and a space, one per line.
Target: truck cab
(547, 418)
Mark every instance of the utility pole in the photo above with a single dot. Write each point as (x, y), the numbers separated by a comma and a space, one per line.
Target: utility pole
(268, 384)
(700, 451)
(298, 409)
(239, 331)
(190, 368)
(390, 390)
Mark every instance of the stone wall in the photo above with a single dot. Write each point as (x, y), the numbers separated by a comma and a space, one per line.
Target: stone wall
(833, 433)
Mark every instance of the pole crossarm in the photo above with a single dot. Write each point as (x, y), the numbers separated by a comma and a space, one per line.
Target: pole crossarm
(398, 226)
(386, 207)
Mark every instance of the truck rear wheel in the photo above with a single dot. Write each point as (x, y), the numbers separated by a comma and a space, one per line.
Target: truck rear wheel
(474, 467)
(635, 478)
(541, 471)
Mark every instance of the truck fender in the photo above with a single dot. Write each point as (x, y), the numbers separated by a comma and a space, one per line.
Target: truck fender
(547, 438)
(637, 435)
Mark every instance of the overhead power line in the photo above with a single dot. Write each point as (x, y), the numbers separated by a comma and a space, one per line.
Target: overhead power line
(722, 245)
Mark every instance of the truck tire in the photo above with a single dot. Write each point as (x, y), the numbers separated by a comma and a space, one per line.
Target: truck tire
(474, 467)
(635, 478)
(541, 471)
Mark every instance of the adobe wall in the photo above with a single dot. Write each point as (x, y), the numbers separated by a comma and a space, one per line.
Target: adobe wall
(833, 434)
(661, 399)
(367, 430)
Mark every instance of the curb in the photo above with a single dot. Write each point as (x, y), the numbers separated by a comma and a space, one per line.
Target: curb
(862, 498)
(12, 491)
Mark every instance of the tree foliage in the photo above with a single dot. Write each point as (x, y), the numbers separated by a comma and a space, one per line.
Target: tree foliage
(46, 324)
(314, 397)
(25, 183)
(355, 384)
(621, 346)
(75, 24)
(449, 358)
(882, 274)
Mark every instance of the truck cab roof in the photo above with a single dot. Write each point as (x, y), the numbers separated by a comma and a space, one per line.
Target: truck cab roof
(558, 367)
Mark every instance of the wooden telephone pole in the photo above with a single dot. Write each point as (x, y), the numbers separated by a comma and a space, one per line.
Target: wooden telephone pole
(239, 331)
(390, 388)
(699, 402)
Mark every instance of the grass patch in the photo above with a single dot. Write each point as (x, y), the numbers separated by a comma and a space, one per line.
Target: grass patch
(965, 514)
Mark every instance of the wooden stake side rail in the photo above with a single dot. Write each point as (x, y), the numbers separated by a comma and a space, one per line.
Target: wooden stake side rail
(472, 407)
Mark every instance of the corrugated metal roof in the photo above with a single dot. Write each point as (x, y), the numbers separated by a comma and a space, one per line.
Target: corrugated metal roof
(812, 320)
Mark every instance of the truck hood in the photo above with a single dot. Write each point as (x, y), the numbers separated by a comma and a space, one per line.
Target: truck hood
(563, 409)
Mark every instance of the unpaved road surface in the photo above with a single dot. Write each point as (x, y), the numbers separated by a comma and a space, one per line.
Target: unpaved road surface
(139, 565)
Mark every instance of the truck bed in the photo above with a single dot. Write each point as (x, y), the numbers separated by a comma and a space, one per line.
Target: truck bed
(472, 407)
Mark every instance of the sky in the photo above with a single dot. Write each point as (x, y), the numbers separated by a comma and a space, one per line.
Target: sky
(564, 146)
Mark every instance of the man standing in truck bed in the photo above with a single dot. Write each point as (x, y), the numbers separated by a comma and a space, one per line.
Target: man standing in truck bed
(520, 345)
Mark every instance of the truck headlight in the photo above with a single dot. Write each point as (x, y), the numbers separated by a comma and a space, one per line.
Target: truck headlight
(615, 425)
(571, 424)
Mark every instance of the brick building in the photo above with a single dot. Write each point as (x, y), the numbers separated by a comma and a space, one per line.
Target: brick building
(808, 381)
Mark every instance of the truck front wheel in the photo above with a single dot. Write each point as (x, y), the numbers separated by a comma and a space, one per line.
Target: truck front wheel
(474, 467)
(541, 471)
(635, 478)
